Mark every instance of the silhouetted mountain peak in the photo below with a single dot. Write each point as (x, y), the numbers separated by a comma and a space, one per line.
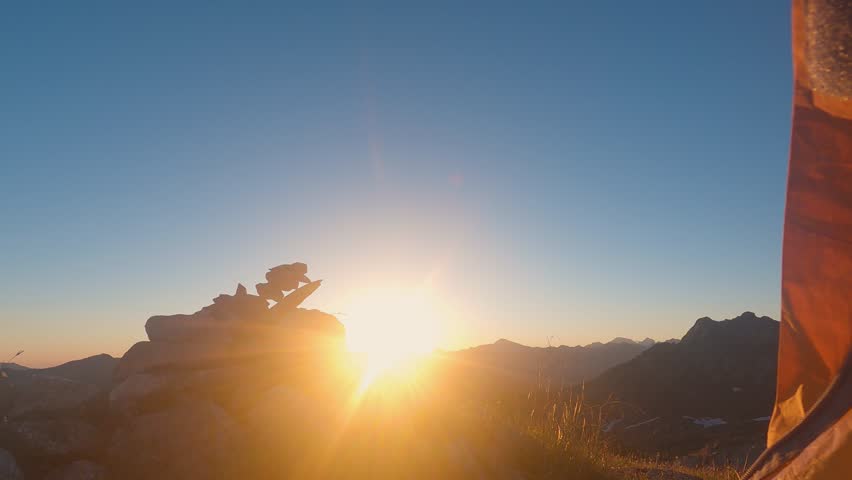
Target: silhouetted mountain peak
(703, 374)
(95, 370)
(648, 342)
(745, 327)
(504, 344)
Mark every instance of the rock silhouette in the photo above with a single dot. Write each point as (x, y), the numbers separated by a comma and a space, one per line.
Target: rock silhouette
(193, 383)
(233, 317)
(282, 278)
(190, 402)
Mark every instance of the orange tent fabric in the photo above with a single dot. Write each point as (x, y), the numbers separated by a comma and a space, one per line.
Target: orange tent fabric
(810, 433)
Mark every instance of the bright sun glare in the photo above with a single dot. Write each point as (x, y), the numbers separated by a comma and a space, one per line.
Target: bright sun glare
(392, 328)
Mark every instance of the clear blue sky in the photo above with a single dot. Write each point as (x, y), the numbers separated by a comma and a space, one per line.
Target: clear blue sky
(575, 169)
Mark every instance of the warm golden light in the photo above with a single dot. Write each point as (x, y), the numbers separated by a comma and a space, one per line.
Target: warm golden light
(392, 328)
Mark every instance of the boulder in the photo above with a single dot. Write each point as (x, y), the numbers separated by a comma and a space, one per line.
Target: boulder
(287, 277)
(303, 429)
(151, 356)
(253, 340)
(315, 320)
(269, 292)
(289, 303)
(191, 440)
(213, 322)
(47, 395)
(217, 321)
(287, 411)
(79, 470)
(8, 467)
(128, 397)
(235, 386)
(186, 328)
(145, 392)
(238, 307)
(50, 437)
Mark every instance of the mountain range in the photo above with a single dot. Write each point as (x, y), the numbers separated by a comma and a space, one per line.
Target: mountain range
(723, 369)
(522, 366)
(719, 369)
(713, 387)
(95, 370)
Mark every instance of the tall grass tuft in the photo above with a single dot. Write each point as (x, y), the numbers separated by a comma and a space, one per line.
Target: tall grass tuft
(563, 421)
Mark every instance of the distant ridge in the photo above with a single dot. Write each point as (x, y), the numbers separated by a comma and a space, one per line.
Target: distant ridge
(512, 362)
(94, 370)
(623, 340)
(506, 343)
(648, 342)
(11, 367)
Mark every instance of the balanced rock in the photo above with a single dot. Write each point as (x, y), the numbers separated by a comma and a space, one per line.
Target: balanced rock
(300, 331)
(186, 328)
(213, 322)
(282, 278)
(240, 306)
(223, 319)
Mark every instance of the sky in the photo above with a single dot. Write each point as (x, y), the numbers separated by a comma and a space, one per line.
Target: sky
(560, 172)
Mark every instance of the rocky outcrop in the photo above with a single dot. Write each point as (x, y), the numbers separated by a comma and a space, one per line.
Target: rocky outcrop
(196, 400)
(191, 440)
(235, 317)
(299, 331)
(237, 370)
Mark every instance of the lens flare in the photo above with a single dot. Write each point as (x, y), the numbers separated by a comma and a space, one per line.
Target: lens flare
(392, 329)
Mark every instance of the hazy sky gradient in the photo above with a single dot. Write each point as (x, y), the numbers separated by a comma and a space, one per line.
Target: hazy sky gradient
(575, 169)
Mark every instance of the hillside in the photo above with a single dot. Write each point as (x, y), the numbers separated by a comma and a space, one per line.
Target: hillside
(95, 370)
(720, 369)
(708, 396)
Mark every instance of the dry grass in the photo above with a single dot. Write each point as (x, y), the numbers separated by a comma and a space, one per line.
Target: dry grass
(563, 422)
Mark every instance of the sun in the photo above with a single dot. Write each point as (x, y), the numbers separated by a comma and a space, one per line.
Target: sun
(392, 328)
